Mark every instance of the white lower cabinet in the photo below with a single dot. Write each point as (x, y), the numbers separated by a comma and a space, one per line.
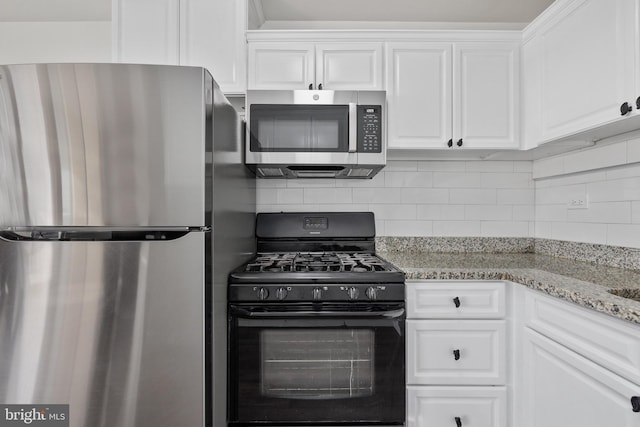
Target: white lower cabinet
(456, 354)
(578, 367)
(562, 389)
(456, 406)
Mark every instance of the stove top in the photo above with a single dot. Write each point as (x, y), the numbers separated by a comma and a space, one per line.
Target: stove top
(317, 261)
(316, 257)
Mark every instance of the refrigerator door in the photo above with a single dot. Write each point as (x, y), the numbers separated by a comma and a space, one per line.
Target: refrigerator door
(113, 329)
(114, 145)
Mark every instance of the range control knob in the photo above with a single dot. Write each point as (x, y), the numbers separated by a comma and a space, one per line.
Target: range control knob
(281, 293)
(353, 293)
(316, 294)
(263, 294)
(372, 293)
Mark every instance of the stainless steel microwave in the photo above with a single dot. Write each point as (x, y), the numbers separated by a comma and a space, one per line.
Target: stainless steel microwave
(315, 133)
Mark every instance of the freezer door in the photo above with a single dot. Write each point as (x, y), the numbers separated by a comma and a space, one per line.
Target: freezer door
(113, 329)
(115, 145)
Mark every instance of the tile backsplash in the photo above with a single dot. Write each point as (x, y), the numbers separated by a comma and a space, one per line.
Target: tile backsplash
(421, 198)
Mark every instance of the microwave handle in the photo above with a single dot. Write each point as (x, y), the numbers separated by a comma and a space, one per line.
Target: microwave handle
(353, 127)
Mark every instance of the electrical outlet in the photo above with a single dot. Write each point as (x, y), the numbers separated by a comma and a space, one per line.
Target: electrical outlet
(578, 202)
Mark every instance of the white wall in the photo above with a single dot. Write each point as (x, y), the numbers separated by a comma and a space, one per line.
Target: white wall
(27, 42)
(609, 176)
(422, 198)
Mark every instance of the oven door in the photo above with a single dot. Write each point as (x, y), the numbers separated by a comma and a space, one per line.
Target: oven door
(343, 363)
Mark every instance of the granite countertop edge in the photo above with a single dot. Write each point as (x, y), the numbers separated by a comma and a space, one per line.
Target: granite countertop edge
(592, 295)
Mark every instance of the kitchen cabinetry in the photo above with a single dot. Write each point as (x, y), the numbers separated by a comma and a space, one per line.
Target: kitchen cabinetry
(580, 367)
(587, 54)
(307, 65)
(456, 95)
(203, 33)
(456, 369)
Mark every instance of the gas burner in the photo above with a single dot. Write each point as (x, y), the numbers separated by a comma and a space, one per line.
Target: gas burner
(301, 262)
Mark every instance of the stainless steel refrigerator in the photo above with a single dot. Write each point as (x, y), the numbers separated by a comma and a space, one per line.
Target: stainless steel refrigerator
(124, 203)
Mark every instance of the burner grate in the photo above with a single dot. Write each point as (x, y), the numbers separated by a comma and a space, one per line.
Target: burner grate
(317, 261)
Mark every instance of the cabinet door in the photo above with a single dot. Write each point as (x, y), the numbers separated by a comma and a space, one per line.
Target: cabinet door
(212, 36)
(146, 31)
(349, 66)
(485, 95)
(448, 406)
(462, 352)
(588, 66)
(563, 389)
(281, 66)
(419, 95)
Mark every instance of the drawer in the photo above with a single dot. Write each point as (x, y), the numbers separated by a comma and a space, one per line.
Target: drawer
(455, 300)
(440, 406)
(610, 342)
(442, 352)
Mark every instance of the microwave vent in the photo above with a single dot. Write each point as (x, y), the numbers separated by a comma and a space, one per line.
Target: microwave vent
(271, 172)
(359, 172)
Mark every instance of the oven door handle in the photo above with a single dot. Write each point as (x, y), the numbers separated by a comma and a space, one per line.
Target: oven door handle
(250, 314)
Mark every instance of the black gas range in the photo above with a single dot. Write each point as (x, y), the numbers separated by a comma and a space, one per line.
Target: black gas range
(315, 258)
(316, 326)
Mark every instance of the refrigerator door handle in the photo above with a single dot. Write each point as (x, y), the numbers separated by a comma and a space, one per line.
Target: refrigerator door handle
(77, 235)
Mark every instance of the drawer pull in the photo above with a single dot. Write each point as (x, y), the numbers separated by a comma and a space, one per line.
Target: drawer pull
(458, 421)
(635, 403)
(456, 301)
(456, 354)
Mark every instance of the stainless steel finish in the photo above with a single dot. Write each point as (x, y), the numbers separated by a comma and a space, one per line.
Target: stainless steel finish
(353, 164)
(90, 324)
(102, 145)
(129, 333)
(353, 127)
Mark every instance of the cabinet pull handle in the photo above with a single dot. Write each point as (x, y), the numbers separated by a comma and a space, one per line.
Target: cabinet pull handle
(320, 86)
(458, 421)
(456, 354)
(638, 103)
(456, 301)
(635, 403)
(310, 86)
(459, 143)
(625, 109)
(450, 143)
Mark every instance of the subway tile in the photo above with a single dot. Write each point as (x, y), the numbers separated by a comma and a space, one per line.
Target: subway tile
(557, 213)
(343, 207)
(489, 166)
(544, 168)
(440, 212)
(267, 196)
(626, 171)
(596, 158)
(519, 196)
(376, 181)
(506, 180)
(290, 195)
(408, 228)
(393, 211)
(480, 196)
(270, 183)
(543, 229)
(523, 166)
(309, 183)
(524, 213)
(623, 235)
(328, 195)
(288, 208)
(635, 212)
(377, 195)
(488, 212)
(442, 166)
(580, 232)
(625, 189)
(606, 213)
(456, 228)
(456, 180)
(633, 151)
(559, 195)
(504, 229)
(424, 195)
(401, 165)
(408, 179)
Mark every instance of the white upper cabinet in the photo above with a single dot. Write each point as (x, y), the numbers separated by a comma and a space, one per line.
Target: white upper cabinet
(456, 95)
(587, 54)
(146, 31)
(302, 65)
(206, 33)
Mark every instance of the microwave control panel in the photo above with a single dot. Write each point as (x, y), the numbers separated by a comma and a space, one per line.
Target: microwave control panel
(369, 128)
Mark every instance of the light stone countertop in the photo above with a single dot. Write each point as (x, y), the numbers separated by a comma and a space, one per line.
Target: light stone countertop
(583, 283)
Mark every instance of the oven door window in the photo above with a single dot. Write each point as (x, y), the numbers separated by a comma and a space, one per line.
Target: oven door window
(287, 370)
(317, 363)
(299, 128)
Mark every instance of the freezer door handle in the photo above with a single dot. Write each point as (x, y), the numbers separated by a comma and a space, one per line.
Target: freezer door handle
(96, 235)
